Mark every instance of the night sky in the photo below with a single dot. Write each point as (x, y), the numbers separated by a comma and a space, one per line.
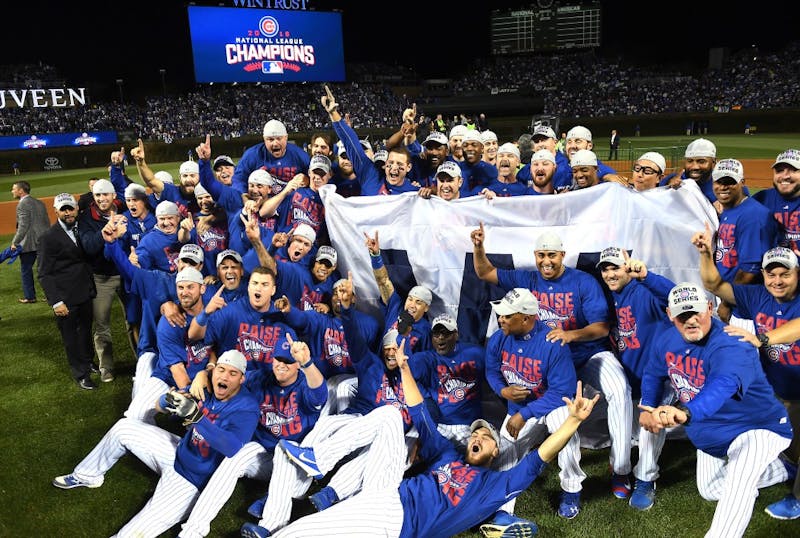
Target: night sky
(133, 40)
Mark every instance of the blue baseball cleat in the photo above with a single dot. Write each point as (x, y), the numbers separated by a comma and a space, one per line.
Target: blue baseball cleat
(570, 505)
(324, 498)
(644, 495)
(251, 530)
(69, 481)
(507, 525)
(786, 508)
(302, 457)
(257, 508)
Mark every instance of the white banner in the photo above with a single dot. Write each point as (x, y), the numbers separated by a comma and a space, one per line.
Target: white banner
(656, 226)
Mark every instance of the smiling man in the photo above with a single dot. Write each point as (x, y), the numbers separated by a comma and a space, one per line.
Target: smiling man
(640, 300)
(252, 327)
(532, 375)
(217, 427)
(725, 403)
(784, 198)
(572, 305)
(746, 230)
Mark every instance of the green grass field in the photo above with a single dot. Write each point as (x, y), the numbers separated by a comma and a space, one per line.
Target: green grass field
(49, 425)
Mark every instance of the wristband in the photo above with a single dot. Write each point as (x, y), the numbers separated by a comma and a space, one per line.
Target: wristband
(377, 261)
(162, 401)
(186, 388)
(202, 318)
(306, 365)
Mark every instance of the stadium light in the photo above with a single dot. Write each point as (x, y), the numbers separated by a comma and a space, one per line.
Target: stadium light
(163, 73)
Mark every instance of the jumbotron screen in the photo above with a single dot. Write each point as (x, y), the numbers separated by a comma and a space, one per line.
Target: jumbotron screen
(265, 45)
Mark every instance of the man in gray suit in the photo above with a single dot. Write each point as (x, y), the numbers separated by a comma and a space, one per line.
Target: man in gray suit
(32, 222)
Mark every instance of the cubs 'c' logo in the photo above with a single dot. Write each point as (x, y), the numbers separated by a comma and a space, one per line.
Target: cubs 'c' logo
(269, 26)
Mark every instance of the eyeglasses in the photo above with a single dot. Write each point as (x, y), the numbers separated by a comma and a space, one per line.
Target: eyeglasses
(646, 170)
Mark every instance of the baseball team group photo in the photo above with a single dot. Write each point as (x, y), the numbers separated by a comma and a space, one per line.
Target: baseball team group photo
(552, 292)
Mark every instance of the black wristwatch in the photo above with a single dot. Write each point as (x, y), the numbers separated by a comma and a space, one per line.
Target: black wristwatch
(763, 339)
(686, 411)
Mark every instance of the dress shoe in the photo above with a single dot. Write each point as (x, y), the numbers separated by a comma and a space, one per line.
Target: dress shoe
(86, 384)
(23, 300)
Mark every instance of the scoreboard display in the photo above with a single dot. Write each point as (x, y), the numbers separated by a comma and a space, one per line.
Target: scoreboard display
(546, 27)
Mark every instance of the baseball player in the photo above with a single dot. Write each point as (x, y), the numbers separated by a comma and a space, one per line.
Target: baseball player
(308, 288)
(218, 427)
(572, 304)
(447, 185)
(640, 301)
(398, 162)
(260, 185)
(179, 359)
(427, 157)
(379, 385)
(455, 493)
(290, 405)
(769, 306)
(412, 316)
(252, 327)
(230, 277)
(300, 201)
(784, 198)
(507, 182)
(282, 160)
(182, 195)
(156, 288)
(545, 138)
(580, 138)
(326, 337)
(725, 403)
(452, 372)
(476, 172)
(532, 374)
(159, 248)
(207, 228)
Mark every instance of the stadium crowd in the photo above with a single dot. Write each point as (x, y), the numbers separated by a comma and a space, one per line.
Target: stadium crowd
(247, 334)
(606, 87)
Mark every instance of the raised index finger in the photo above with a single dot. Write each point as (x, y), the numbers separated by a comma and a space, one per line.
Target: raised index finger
(141, 144)
(328, 92)
(219, 291)
(208, 138)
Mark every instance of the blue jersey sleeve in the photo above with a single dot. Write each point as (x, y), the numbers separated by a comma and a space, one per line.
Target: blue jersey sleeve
(238, 431)
(432, 445)
(561, 380)
(492, 362)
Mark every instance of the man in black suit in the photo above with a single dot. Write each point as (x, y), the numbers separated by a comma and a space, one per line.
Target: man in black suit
(67, 281)
(613, 146)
